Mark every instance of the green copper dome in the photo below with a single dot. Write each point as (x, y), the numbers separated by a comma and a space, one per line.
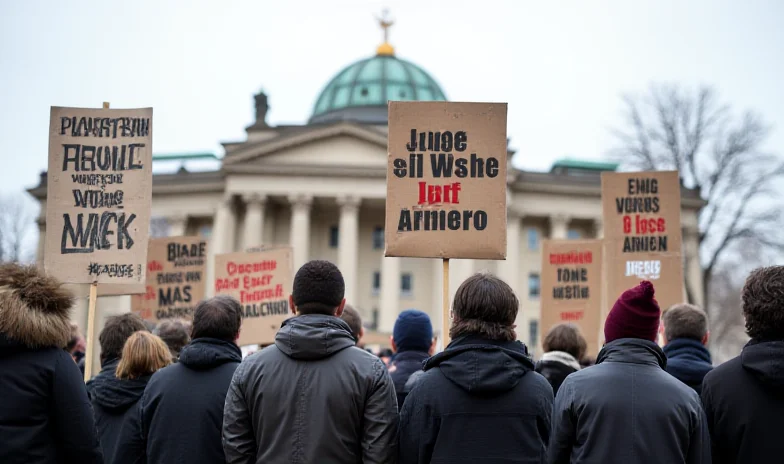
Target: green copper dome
(360, 91)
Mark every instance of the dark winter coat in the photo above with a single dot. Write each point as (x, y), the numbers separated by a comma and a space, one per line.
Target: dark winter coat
(688, 361)
(180, 415)
(45, 415)
(312, 397)
(108, 368)
(114, 402)
(627, 409)
(555, 366)
(744, 402)
(400, 369)
(478, 401)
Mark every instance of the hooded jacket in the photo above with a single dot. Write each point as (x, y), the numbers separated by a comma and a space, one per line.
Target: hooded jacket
(477, 401)
(627, 409)
(401, 368)
(180, 414)
(688, 361)
(555, 366)
(744, 402)
(312, 397)
(45, 416)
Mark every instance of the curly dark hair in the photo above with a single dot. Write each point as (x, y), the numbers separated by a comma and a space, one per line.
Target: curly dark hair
(485, 305)
(318, 288)
(763, 303)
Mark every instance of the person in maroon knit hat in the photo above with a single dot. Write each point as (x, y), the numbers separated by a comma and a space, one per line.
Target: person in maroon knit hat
(627, 408)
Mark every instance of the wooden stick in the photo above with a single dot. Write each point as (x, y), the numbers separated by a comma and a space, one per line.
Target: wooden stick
(88, 356)
(445, 319)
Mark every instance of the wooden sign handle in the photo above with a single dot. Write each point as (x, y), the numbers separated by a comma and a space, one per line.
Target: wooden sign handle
(88, 356)
(445, 319)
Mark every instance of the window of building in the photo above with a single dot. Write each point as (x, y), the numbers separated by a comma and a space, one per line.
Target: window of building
(533, 239)
(533, 285)
(573, 234)
(205, 231)
(333, 236)
(533, 334)
(374, 319)
(159, 227)
(406, 283)
(378, 238)
(376, 282)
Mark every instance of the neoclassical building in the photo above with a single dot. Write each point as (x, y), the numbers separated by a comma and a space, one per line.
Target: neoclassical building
(321, 187)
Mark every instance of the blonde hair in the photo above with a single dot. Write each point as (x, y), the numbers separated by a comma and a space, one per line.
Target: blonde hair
(142, 355)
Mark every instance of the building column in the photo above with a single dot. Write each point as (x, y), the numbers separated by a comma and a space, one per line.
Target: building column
(299, 237)
(559, 226)
(459, 271)
(390, 294)
(437, 284)
(598, 228)
(221, 239)
(509, 270)
(693, 270)
(348, 244)
(177, 225)
(253, 233)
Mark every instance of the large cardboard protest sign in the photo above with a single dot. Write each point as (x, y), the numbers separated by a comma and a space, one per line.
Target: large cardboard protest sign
(176, 268)
(261, 281)
(446, 180)
(642, 229)
(572, 287)
(99, 189)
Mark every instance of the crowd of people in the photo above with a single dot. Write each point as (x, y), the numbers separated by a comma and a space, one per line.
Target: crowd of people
(181, 391)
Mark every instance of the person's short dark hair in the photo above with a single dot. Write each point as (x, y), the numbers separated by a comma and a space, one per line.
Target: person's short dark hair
(485, 305)
(353, 319)
(115, 333)
(219, 317)
(566, 338)
(175, 333)
(386, 353)
(685, 321)
(318, 288)
(763, 303)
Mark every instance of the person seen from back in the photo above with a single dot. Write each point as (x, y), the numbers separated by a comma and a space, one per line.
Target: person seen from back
(354, 321)
(181, 412)
(627, 408)
(480, 399)
(45, 416)
(563, 347)
(313, 396)
(115, 333)
(115, 403)
(175, 333)
(744, 397)
(413, 343)
(684, 329)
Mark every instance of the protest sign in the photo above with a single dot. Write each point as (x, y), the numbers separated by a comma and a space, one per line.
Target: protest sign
(99, 190)
(446, 180)
(176, 268)
(642, 229)
(572, 287)
(261, 282)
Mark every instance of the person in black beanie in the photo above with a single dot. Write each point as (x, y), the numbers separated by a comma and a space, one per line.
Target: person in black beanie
(412, 341)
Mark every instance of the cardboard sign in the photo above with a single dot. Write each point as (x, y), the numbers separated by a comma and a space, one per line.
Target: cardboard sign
(572, 287)
(98, 197)
(261, 282)
(446, 180)
(642, 229)
(176, 272)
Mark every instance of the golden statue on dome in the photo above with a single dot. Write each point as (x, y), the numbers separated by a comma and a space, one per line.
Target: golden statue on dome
(385, 22)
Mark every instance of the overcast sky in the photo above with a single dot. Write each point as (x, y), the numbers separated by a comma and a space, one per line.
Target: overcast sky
(561, 66)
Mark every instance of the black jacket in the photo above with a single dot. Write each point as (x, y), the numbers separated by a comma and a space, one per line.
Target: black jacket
(312, 397)
(180, 415)
(114, 402)
(555, 366)
(744, 402)
(108, 368)
(45, 416)
(400, 369)
(479, 401)
(627, 409)
(688, 361)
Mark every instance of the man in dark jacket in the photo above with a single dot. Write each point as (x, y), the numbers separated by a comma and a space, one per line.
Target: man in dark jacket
(744, 397)
(112, 339)
(45, 415)
(563, 346)
(413, 344)
(181, 411)
(627, 408)
(480, 399)
(685, 332)
(313, 396)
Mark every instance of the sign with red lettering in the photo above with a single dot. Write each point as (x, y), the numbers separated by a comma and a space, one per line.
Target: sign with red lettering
(571, 287)
(176, 268)
(642, 230)
(261, 281)
(446, 180)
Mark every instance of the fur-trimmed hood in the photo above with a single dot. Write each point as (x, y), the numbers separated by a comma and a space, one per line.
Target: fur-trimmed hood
(34, 308)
